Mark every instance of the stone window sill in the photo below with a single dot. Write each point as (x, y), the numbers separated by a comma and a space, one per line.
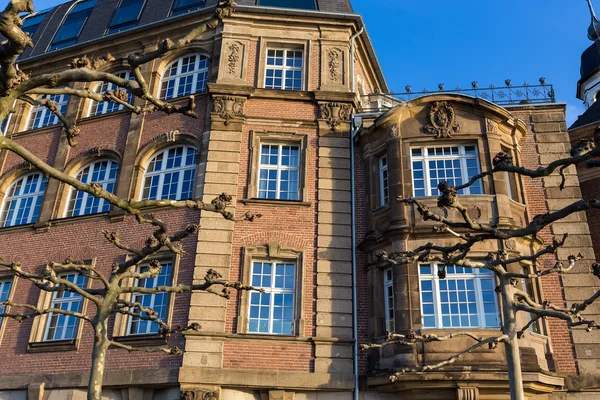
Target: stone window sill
(141, 340)
(52, 346)
(282, 203)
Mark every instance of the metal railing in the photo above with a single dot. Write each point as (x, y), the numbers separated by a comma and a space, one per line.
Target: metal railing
(501, 95)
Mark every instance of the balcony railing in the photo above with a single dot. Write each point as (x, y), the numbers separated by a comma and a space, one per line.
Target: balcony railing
(501, 95)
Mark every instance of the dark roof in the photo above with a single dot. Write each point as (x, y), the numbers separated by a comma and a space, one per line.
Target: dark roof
(590, 60)
(153, 10)
(590, 116)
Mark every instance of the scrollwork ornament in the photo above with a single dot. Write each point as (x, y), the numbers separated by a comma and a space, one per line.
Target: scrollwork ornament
(393, 132)
(229, 107)
(335, 114)
(233, 58)
(442, 118)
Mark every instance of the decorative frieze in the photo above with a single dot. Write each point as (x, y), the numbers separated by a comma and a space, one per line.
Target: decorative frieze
(442, 120)
(335, 114)
(229, 107)
(198, 395)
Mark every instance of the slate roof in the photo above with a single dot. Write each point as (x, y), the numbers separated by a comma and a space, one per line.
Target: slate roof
(590, 116)
(153, 10)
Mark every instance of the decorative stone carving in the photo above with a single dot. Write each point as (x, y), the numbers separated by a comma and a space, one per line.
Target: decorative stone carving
(334, 64)
(274, 249)
(229, 107)
(198, 395)
(393, 132)
(233, 58)
(172, 135)
(442, 120)
(335, 114)
(490, 126)
(510, 244)
(468, 394)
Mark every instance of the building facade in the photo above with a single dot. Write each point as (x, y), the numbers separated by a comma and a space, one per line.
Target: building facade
(276, 87)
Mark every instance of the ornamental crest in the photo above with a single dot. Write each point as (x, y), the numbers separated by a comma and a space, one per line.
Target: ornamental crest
(442, 120)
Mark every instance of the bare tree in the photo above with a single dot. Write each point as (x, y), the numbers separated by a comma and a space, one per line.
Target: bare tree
(469, 232)
(108, 291)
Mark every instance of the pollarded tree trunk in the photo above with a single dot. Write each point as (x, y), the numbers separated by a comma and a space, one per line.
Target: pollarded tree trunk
(511, 345)
(101, 345)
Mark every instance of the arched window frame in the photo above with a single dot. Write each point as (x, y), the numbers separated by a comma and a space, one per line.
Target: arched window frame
(26, 193)
(41, 116)
(158, 174)
(177, 79)
(83, 203)
(106, 107)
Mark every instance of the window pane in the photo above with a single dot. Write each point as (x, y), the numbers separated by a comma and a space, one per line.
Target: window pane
(304, 4)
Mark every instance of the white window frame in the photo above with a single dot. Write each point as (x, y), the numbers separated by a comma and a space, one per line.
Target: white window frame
(47, 117)
(70, 300)
(477, 277)
(272, 290)
(388, 298)
(5, 287)
(384, 181)
(105, 107)
(6, 123)
(163, 170)
(104, 182)
(462, 156)
(178, 76)
(138, 297)
(535, 327)
(279, 168)
(284, 68)
(36, 196)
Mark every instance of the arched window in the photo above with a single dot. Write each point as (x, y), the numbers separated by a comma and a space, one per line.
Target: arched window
(40, 116)
(184, 76)
(170, 174)
(103, 172)
(105, 107)
(23, 200)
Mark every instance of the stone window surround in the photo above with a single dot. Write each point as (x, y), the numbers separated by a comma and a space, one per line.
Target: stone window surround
(272, 252)
(265, 43)
(71, 169)
(36, 338)
(6, 274)
(122, 321)
(258, 138)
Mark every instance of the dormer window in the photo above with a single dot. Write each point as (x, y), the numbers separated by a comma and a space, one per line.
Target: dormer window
(186, 6)
(72, 25)
(127, 16)
(33, 21)
(303, 4)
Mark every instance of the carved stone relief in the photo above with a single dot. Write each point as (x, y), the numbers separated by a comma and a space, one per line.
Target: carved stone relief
(468, 394)
(233, 58)
(393, 132)
(229, 107)
(490, 126)
(334, 65)
(442, 118)
(335, 113)
(198, 395)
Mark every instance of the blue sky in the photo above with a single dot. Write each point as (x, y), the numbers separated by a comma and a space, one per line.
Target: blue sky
(455, 42)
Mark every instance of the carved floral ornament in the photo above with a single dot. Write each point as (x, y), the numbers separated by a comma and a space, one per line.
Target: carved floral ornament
(233, 58)
(335, 114)
(198, 395)
(334, 64)
(442, 118)
(393, 132)
(229, 107)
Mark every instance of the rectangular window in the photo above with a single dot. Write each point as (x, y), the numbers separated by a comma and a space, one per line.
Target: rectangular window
(464, 299)
(384, 192)
(279, 171)
(32, 22)
(303, 4)
(4, 125)
(272, 312)
(455, 164)
(5, 285)
(388, 296)
(126, 16)
(71, 27)
(60, 326)
(185, 6)
(528, 288)
(284, 69)
(159, 302)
